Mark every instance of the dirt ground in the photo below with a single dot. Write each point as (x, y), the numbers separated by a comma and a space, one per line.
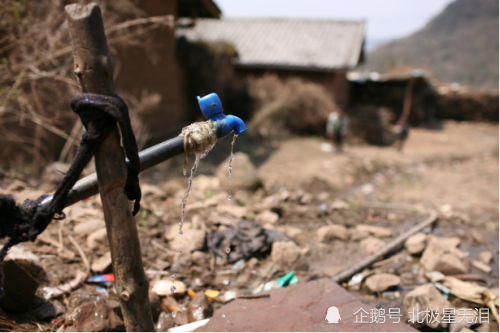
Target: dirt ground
(453, 171)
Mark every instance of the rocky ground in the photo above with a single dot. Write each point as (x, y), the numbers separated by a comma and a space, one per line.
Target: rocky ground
(295, 207)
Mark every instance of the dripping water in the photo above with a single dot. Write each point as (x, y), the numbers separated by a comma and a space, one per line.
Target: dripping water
(231, 158)
(184, 200)
(190, 182)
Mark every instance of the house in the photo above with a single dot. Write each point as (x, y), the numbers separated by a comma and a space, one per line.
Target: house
(321, 51)
(409, 92)
(156, 68)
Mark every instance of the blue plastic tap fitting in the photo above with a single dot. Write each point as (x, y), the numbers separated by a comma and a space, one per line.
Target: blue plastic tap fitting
(211, 107)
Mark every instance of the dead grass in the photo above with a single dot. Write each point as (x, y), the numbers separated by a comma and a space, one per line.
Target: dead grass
(36, 79)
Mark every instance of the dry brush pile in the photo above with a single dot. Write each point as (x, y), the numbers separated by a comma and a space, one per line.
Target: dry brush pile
(288, 106)
(36, 79)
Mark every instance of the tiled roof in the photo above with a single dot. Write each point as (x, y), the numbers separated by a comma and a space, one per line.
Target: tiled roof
(285, 43)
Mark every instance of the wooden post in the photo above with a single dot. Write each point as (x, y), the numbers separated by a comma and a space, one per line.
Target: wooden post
(93, 67)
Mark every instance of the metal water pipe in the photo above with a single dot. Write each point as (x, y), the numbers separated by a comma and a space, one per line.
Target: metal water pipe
(210, 106)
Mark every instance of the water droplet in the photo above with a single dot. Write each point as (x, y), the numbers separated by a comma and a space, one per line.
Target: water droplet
(228, 250)
(173, 276)
(96, 314)
(223, 315)
(173, 289)
(174, 314)
(229, 198)
(178, 251)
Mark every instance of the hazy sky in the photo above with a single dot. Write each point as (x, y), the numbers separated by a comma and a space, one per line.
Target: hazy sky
(386, 19)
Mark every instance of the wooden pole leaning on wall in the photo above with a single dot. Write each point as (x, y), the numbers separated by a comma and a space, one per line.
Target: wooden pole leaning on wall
(93, 67)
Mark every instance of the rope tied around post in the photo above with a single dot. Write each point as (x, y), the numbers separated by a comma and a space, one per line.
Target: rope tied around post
(99, 114)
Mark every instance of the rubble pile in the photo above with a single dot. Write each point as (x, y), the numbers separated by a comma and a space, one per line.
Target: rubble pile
(231, 249)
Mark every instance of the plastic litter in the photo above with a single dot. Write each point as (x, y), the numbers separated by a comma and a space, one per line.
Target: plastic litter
(281, 282)
(102, 278)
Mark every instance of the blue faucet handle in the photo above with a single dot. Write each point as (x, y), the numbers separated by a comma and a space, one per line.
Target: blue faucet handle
(210, 105)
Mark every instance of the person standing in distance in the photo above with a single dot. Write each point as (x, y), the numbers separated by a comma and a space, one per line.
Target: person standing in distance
(336, 128)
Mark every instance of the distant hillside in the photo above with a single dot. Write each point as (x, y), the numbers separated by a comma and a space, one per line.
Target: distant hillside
(458, 45)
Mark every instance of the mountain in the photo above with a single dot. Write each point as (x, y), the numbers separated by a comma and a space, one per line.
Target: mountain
(459, 45)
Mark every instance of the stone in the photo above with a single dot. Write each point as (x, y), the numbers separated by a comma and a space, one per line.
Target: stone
(481, 266)
(267, 217)
(203, 182)
(485, 257)
(285, 253)
(78, 298)
(200, 276)
(435, 276)
(87, 227)
(190, 240)
(442, 255)
(102, 264)
(339, 204)
(425, 297)
(306, 199)
(200, 259)
(180, 317)
(328, 233)
(181, 264)
(274, 200)
(19, 288)
(169, 303)
(165, 321)
(392, 217)
(95, 317)
(235, 211)
(415, 244)
(381, 282)
(371, 244)
(244, 174)
(357, 235)
(96, 238)
(331, 271)
(17, 186)
(446, 210)
(199, 308)
(155, 303)
(296, 308)
(115, 306)
(291, 232)
(164, 288)
(323, 196)
(379, 232)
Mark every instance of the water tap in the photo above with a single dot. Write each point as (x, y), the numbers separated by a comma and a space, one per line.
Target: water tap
(211, 107)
